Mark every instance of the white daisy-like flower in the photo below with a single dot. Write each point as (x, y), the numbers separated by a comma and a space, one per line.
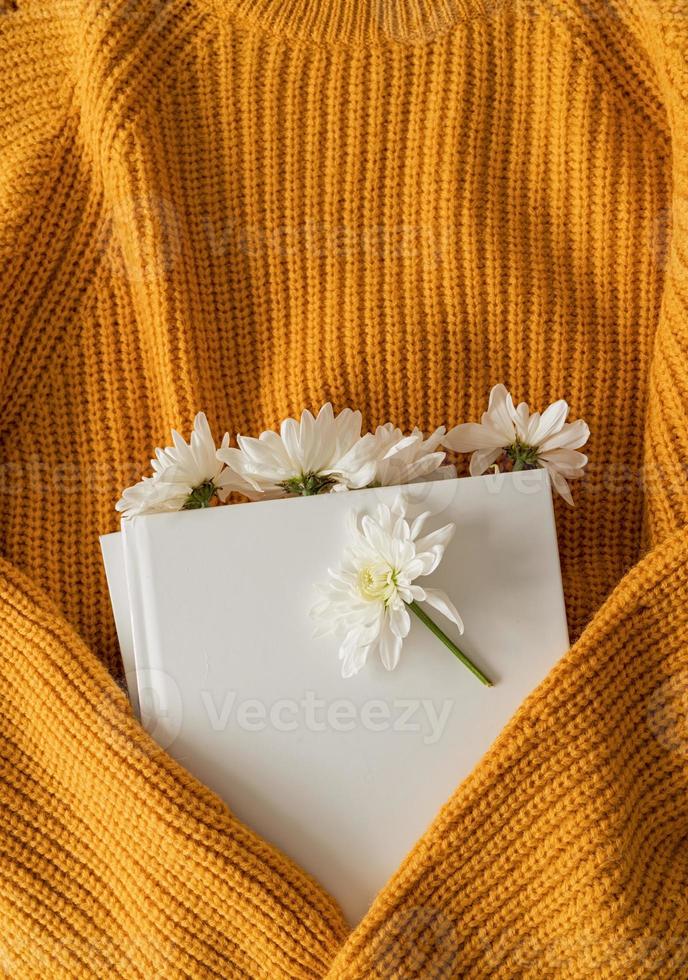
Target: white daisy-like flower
(366, 602)
(528, 440)
(186, 476)
(306, 457)
(399, 459)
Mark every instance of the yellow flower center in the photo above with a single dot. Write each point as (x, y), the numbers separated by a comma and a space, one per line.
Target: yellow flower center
(377, 583)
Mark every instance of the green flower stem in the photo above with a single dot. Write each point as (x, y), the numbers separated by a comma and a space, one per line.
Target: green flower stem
(434, 628)
(308, 484)
(200, 496)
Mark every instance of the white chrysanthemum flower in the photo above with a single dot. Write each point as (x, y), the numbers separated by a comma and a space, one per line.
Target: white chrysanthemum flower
(399, 459)
(186, 476)
(305, 458)
(366, 602)
(528, 440)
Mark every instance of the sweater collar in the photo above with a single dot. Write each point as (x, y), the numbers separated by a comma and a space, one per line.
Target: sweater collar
(357, 22)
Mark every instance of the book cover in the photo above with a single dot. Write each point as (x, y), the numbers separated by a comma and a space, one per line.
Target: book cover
(342, 774)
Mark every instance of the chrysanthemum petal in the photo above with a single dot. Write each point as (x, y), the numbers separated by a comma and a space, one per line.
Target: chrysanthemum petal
(389, 646)
(440, 600)
(436, 539)
(549, 423)
(471, 436)
(566, 461)
(559, 483)
(482, 459)
(573, 435)
(399, 620)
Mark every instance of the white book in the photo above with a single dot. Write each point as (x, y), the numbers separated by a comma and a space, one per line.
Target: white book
(212, 610)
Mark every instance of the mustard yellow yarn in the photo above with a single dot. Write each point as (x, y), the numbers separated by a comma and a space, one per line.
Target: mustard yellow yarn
(253, 206)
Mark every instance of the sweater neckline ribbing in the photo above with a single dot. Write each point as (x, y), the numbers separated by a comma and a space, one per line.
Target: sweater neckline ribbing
(356, 22)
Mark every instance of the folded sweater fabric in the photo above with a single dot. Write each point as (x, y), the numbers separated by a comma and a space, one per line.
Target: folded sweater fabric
(252, 206)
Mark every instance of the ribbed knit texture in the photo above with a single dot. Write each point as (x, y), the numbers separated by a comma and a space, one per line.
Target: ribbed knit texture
(252, 206)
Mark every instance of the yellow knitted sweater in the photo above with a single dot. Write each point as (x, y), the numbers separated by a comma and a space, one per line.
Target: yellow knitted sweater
(252, 206)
